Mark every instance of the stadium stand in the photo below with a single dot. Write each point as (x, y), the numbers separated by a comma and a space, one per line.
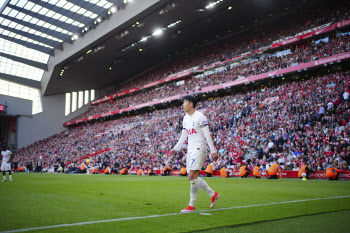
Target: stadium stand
(295, 56)
(240, 126)
(288, 121)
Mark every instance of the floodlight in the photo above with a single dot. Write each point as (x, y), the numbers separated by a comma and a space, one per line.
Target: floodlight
(157, 32)
(113, 9)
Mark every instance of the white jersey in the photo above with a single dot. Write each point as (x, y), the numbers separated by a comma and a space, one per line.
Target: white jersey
(6, 156)
(194, 125)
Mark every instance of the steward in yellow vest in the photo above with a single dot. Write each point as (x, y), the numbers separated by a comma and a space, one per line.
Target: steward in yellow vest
(224, 172)
(256, 171)
(123, 171)
(304, 170)
(183, 171)
(209, 170)
(151, 172)
(94, 171)
(166, 171)
(332, 173)
(273, 170)
(108, 170)
(244, 171)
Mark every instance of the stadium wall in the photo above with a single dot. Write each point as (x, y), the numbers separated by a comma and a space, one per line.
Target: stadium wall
(17, 108)
(47, 123)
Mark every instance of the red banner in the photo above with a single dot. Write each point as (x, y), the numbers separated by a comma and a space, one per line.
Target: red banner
(230, 60)
(102, 100)
(312, 33)
(152, 84)
(114, 96)
(304, 36)
(170, 78)
(343, 23)
(2, 108)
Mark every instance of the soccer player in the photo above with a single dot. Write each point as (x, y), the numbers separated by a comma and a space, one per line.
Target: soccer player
(195, 127)
(7, 156)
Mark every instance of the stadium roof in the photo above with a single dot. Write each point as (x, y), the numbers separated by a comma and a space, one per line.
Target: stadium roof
(31, 30)
(72, 45)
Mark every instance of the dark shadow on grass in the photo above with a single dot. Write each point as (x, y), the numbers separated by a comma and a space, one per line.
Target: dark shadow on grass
(219, 229)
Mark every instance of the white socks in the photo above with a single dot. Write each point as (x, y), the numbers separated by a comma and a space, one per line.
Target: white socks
(4, 177)
(195, 185)
(194, 191)
(10, 177)
(204, 186)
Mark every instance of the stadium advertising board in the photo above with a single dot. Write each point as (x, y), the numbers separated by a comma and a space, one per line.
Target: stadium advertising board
(316, 32)
(114, 96)
(235, 173)
(168, 79)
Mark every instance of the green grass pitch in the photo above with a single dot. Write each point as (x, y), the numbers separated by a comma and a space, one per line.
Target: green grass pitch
(41, 200)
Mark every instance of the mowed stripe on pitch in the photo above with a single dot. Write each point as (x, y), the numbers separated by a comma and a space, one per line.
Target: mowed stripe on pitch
(164, 215)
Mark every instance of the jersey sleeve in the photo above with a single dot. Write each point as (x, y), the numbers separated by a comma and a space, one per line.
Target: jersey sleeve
(181, 140)
(203, 121)
(183, 123)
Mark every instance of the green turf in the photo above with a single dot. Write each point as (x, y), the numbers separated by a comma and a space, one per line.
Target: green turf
(326, 222)
(35, 200)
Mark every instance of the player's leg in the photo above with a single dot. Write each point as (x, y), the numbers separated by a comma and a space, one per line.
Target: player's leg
(203, 185)
(4, 175)
(197, 165)
(193, 178)
(214, 195)
(10, 174)
(191, 162)
(3, 169)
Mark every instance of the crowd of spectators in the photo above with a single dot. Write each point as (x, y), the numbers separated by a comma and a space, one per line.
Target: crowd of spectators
(309, 121)
(301, 53)
(246, 41)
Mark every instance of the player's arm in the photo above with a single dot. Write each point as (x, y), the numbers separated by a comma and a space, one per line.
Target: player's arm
(180, 142)
(11, 157)
(213, 152)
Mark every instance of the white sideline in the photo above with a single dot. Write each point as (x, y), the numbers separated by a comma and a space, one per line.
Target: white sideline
(164, 215)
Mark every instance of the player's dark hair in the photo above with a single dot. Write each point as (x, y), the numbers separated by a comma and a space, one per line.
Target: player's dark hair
(191, 98)
(4, 147)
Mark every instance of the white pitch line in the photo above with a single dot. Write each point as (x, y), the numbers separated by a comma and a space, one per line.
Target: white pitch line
(164, 215)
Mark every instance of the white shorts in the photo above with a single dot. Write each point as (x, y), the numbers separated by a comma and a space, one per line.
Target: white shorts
(195, 159)
(5, 167)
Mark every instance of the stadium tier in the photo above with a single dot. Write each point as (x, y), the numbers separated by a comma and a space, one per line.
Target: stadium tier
(285, 123)
(295, 58)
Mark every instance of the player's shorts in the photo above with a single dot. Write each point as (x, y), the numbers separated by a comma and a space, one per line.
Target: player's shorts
(5, 167)
(195, 159)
